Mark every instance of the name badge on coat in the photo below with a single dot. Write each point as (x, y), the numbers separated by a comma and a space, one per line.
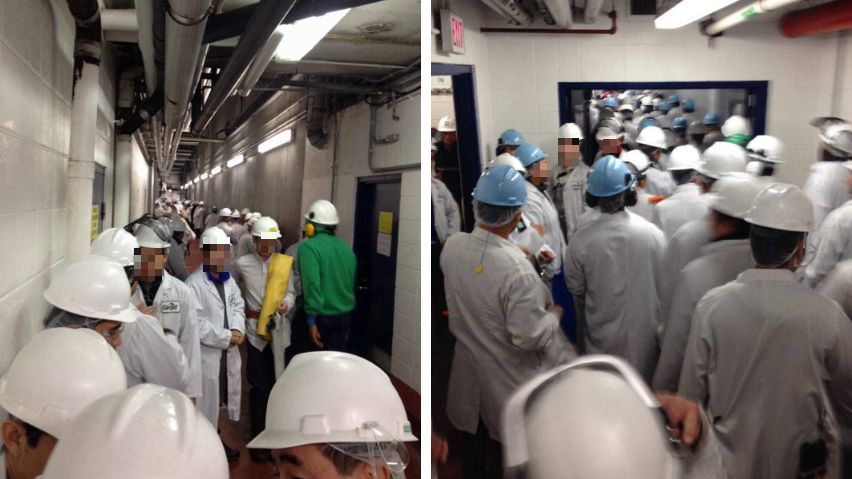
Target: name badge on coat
(170, 307)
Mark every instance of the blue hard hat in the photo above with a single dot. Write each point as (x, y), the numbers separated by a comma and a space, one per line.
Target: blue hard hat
(680, 123)
(674, 100)
(648, 122)
(529, 154)
(688, 105)
(501, 185)
(664, 106)
(510, 137)
(610, 102)
(609, 176)
(712, 119)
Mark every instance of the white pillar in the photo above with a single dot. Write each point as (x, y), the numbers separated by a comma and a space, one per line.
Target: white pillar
(81, 166)
(122, 186)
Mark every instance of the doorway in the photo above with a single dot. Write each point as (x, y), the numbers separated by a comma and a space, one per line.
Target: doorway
(459, 165)
(375, 245)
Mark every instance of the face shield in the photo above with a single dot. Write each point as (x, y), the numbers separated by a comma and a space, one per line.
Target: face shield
(383, 452)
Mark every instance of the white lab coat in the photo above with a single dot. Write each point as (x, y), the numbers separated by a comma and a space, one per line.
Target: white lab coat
(237, 232)
(720, 262)
(215, 339)
(504, 335)
(613, 264)
(658, 181)
(643, 206)
(826, 188)
(211, 220)
(574, 197)
(684, 205)
(198, 217)
(587, 218)
(832, 244)
(181, 318)
(151, 356)
(446, 211)
(838, 285)
(540, 211)
(682, 248)
(765, 356)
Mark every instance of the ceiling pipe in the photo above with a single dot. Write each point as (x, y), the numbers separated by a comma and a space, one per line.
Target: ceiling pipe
(267, 16)
(592, 10)
(259, 64)
(560, 10)
(561, 31)
(510, 10)
(145, 23)
(234, 22)
(825, 18)
(745, 14)
(119, 19)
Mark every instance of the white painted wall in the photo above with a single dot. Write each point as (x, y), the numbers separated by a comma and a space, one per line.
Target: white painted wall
(36, 60)
(517, 74)
(139, 174)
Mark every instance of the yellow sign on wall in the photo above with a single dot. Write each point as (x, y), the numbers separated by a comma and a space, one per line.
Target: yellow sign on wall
(386, 222)
(96, 219)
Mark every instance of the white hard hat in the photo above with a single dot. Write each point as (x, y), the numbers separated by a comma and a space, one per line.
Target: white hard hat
(94, 287)
(245, 211)
(736, 125)
(722, 157)
(153, 234)
(605, 133)
(837, 138)
(266, 228)
(59, 373)
(225, 213)
(685, 157)
(734, 193)
(652, 136)
(765, 148)
(214, 235)
(647, 101)
(511, 160)
(306, 406)
(570, 130)
(593, 417)
(201, 203)
(235, 213)
(447, 124)
(625, 107)
(322, 212)
(117, 245)
(782, 207)
(256, 215)
(144, 432)
(637, 158)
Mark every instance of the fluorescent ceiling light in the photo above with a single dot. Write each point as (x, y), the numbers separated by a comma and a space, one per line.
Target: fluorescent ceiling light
(216, 170)
(204, 176)
(236, 160)
(300, 37)
(688, 11)
(196, 180)
(280, 139)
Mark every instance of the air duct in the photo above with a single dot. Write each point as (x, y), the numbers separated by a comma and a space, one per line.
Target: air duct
(316, 119)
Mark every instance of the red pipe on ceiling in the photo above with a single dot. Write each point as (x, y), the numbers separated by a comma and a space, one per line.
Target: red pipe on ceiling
(825, 18)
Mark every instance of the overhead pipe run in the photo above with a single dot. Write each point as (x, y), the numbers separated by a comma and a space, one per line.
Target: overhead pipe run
(84, 114)
(510, 10)
(119, 19)
(266, 18)
(259, 64)
(560, 11)
(825, 18)
(745, 14)
(559, 31)
(592, 10)
(234, 22)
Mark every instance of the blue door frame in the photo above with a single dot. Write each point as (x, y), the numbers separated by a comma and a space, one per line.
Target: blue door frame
(467, 124)
(759, 89)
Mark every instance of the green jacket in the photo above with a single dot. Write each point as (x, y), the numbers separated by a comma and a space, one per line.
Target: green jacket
(327, 270)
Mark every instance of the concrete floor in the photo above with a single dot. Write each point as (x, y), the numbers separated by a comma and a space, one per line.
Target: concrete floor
(238, 434)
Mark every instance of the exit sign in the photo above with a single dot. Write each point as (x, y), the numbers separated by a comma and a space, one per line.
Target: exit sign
(452, 32)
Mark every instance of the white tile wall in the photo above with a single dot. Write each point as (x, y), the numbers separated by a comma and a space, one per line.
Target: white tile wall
(36, 48)
(518, 73)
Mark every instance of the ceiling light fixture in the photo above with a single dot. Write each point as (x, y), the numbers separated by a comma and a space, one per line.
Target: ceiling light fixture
(277, 140)
(300, 37)
(688, 11)
(236, 160)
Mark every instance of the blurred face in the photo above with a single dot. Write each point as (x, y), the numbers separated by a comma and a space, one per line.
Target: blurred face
(111, 331)
(264, 247)
(150, 263)
(215, 257)
(23, 461)
(308, 462)
(448, 137)
(540, 172)
(569, 152)
(610, 146)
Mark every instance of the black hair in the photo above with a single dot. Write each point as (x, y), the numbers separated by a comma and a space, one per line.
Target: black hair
(741, 227)
(681, 177)
(772, 247)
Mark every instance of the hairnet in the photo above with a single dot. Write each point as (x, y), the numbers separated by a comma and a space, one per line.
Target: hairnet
(59, 318)
(771, 247)
(494, 216)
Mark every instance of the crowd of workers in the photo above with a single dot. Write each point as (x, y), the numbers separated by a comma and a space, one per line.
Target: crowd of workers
(693, 271)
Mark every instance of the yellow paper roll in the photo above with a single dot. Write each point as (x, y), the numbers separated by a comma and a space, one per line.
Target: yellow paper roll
(277, 280)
